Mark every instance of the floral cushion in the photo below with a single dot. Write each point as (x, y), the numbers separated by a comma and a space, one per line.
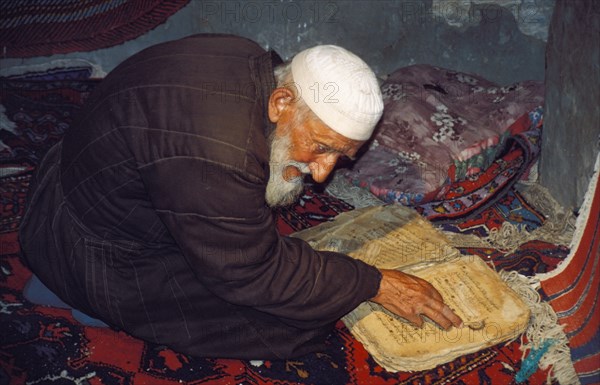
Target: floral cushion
(439, 125)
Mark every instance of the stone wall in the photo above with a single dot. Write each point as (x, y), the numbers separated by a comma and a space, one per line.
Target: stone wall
(571, 138)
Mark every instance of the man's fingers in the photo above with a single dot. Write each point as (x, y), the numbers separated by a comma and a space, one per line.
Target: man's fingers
(451, 315)
(410, 297)
(440, 319)
(441, 314)
(435, 294)
(439, 307)
(416, 320)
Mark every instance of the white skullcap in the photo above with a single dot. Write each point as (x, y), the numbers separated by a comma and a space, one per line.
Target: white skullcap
(340, 89)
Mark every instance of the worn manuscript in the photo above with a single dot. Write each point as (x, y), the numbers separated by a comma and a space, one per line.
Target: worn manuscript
(395, 237)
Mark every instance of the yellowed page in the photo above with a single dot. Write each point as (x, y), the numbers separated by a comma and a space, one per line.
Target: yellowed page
(476, 293)
(396, 237)
(388, 237)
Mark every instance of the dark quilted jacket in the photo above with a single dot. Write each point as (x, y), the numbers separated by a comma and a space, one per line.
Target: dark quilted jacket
(150, 214)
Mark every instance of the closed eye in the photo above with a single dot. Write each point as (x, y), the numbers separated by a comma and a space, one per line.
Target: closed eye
(323, 148)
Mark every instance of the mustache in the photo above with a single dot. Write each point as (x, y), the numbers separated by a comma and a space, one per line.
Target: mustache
(281, 192)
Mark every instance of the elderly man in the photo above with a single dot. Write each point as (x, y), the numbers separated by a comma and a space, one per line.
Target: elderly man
(153, 213)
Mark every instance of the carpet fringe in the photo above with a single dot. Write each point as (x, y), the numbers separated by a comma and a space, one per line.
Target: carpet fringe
(97, 71)
(459, 240)
(558, 228)
(6, 123)
(543, 329)
(580, 223)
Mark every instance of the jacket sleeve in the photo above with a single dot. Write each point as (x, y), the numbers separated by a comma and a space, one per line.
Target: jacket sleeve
(219, 220)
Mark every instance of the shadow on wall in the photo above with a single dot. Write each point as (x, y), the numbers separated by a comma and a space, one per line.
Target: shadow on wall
(502, 43)
(571, 139)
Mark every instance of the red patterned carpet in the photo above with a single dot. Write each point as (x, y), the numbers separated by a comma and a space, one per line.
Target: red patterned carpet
(44, 345)
(574, 291)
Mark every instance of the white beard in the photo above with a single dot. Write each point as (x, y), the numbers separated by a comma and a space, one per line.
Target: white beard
(281, 192)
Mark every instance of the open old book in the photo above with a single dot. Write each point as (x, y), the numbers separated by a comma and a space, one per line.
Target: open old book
(396, 237)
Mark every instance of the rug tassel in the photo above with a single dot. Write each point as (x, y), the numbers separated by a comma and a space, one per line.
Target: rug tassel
(558, 227)
(547, 343)
(531, 363)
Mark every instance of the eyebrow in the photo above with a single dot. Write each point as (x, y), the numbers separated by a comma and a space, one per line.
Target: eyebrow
(338, 150)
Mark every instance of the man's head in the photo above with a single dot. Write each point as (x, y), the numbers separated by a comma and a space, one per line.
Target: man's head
(326, 105)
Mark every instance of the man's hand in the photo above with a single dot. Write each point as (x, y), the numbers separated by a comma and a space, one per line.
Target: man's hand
(411, 297)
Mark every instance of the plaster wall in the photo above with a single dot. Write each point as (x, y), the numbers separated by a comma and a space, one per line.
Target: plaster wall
(503, 40)
(571, 138)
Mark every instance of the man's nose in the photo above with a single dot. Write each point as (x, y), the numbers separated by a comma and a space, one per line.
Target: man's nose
(321, 168)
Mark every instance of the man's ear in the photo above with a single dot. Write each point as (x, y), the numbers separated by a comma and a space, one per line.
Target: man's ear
(280, 100)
